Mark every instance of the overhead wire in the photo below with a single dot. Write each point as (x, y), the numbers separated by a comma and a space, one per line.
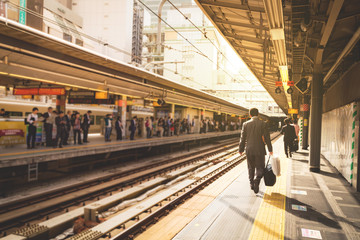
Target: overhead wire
(187, 40)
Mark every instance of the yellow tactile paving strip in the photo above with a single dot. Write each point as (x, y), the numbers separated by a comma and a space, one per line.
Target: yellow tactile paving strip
(170, 225)
(270, 219)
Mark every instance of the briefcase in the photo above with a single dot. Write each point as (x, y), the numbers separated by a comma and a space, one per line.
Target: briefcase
(295, 145)
(269, 176)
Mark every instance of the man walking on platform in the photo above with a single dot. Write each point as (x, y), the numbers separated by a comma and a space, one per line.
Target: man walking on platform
(289, 136)
(255, 135)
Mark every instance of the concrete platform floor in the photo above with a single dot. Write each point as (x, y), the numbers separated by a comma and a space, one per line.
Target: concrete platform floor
(301, 205)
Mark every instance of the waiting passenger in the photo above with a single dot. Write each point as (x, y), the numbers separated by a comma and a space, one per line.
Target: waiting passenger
(32, 120)
(108, 119)
(68, 127)
(148, 125)
(49, 120)
(160, 127)
(132, 128)
(86, 126)
(77, 128)
(119, 128)
(3, 113)
(60, 122)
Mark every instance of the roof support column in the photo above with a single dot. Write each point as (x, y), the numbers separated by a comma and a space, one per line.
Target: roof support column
(122, 110)
(315, 119)
(60, 103)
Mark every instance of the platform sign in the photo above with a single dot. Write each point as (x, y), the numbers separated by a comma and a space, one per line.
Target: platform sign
(299, 192)
(110, 101)
(101, 95)
(278, 83)
(309, 233)
(290, 83)
(12, 132)
(293, 111)
(302, 85)
(22, 12)
(298, 207)
(39, 91)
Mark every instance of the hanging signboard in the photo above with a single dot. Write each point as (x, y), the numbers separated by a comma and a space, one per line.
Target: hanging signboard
(91, 101)
(39, 91)
(22, 12)
(293, 111)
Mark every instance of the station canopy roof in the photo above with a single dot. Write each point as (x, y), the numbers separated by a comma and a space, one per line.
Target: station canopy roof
(287, 40)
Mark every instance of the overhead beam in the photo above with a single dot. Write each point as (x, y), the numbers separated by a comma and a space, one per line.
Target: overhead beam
(237, 6)
(245, 38)
(245, 25)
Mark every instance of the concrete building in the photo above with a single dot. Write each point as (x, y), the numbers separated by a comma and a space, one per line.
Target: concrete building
(111, 22)
(220, 74)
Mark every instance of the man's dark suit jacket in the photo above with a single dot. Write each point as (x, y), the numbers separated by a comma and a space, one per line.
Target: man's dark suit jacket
(254, 135)
(289, 133)
(86, 120)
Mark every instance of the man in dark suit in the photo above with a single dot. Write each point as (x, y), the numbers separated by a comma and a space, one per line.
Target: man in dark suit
(86, 125)
(132, 128)
(60, 122)
(49, 118)
(289, 136)
(255, 135)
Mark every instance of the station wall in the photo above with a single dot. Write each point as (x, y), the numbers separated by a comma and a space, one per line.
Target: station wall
(340, 140)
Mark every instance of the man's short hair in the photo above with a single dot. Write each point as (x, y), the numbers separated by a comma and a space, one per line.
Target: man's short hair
(287, 121)
(50, 108)
(254, 112)
(35, 109)
(3, 109)
(89, 111)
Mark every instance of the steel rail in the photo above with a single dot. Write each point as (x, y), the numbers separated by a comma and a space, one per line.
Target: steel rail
(130, 178)
(153, 217)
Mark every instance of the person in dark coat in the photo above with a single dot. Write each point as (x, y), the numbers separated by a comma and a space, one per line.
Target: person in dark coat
(68, 127)
(255, 135)
(132, 128)
(76, 123)
(86, 125)
(49, 117)
(289, 136)
(119, 128)
(32, 120)
(60, 122)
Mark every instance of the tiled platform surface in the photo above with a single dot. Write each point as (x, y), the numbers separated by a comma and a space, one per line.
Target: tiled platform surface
(19, 155)
(329, 210)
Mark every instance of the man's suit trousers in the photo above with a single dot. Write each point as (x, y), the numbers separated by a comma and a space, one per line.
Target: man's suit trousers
(255, 162)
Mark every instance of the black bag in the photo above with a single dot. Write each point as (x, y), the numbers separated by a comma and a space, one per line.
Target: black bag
(26, 121)
(295, 145)
(269, 176)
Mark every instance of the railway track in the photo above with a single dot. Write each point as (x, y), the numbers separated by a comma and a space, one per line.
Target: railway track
(195, 173)
(21, 212)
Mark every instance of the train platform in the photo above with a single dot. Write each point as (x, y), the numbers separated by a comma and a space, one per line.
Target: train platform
(20, 155)
(301, 205)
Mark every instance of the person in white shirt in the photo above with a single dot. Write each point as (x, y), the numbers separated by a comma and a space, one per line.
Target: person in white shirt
(32, 120)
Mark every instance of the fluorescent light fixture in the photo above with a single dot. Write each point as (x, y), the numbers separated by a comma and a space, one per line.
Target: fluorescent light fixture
(277, 34)
(284, 74)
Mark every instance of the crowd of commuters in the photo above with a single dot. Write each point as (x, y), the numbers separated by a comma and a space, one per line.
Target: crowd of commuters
(164, 127)
(59, 127)
(69, 124)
